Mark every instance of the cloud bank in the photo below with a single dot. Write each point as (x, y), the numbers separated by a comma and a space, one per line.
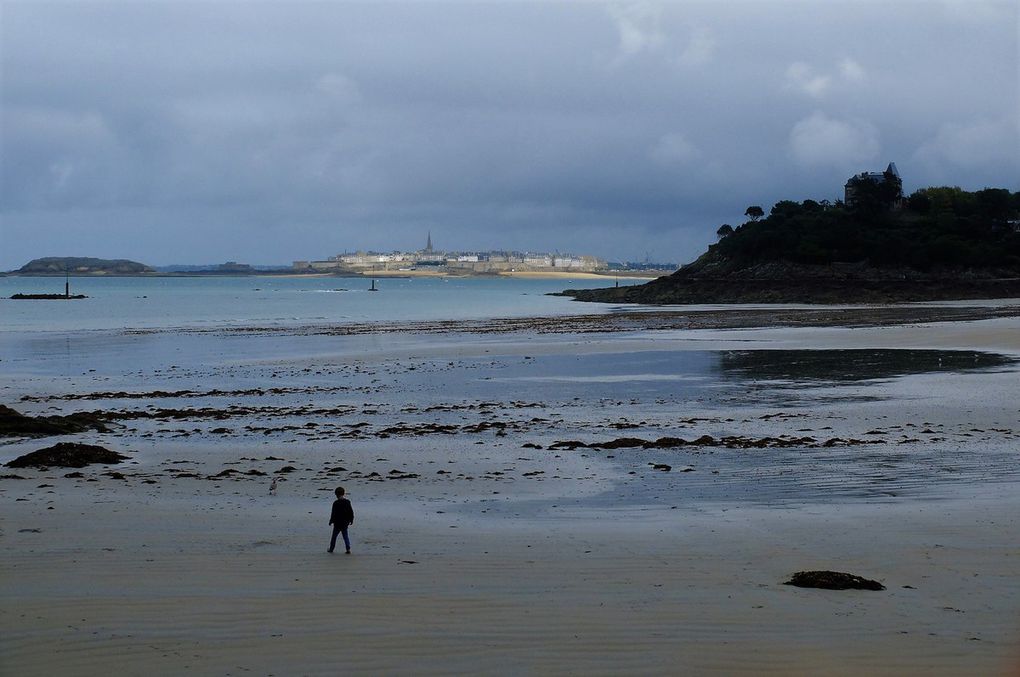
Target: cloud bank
(191, 132)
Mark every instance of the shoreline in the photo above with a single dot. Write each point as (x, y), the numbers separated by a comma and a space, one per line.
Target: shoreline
(647, 318)
(673, 290)
(354, 274)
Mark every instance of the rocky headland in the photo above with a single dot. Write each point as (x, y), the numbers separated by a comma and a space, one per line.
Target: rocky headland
(784, 282)
(938, 244)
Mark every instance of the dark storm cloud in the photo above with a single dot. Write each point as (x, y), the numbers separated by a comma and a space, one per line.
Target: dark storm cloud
(265, 132)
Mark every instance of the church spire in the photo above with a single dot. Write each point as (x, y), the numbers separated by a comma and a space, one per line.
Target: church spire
(428, 243)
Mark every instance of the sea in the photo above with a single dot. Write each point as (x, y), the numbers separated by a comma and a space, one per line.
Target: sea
(276, 356)
(116, 303)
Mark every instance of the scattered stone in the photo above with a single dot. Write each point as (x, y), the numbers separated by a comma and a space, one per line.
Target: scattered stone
(419, 429)
(664, 467)
(832, 580)
(286, 469)
(730, 442)
(67, 455)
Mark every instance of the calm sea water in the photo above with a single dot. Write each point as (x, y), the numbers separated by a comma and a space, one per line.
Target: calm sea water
(129, 325)
(136, 303)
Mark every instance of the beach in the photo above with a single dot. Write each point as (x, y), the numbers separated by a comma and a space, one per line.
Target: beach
(513, 511)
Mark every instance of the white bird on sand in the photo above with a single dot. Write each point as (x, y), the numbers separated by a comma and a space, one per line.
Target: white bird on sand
(272, 487)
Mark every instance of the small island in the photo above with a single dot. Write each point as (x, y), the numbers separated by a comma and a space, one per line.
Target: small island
(82, 265)
(875, 246)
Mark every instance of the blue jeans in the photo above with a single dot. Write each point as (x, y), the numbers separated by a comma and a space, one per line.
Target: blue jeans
(337, 529)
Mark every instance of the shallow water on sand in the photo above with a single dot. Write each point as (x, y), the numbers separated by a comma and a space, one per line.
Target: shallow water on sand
(236, 348)
(317, 391)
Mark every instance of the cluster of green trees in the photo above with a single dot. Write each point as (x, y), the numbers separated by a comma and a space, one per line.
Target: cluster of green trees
(932, 228)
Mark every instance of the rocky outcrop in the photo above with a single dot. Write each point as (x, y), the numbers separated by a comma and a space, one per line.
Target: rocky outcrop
(67, 455)
(16, 424)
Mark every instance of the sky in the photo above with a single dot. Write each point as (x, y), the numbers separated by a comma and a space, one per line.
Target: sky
(201, 132)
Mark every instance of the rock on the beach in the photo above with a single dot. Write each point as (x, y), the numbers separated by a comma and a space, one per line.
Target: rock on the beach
(67, 455)
(15, 424)
(832, 580)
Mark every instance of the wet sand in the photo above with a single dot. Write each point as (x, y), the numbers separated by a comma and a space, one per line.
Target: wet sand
(476, 553)
(232, 584)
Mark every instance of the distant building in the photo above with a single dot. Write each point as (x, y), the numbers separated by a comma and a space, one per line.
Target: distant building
(455, 262)
(234, 267)
(889, 176)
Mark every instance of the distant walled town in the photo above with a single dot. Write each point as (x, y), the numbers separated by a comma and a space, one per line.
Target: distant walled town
(467, 263)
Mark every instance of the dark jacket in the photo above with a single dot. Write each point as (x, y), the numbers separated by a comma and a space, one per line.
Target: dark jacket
(343, 513)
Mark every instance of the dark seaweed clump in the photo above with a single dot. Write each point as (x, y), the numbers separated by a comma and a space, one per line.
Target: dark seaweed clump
(832, 580)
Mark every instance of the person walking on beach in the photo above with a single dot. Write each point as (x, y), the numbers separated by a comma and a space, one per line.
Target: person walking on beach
(341, 517)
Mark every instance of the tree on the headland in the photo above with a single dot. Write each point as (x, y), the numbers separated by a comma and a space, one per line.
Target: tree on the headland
(754, 212)
(724, 230)
(937, 227)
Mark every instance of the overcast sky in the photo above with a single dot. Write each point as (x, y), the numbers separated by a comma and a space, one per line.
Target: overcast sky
(200, 132)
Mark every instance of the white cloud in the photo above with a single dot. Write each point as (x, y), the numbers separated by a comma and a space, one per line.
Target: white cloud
(674, 149)
(821, 141)
(700, 48)
(639, 27)
(802, 77)
(61, 172)
(339, 87)
(851, 71)
(970, 146)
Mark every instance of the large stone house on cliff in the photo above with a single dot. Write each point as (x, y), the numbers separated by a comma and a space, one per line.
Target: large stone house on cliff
(890, 176)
